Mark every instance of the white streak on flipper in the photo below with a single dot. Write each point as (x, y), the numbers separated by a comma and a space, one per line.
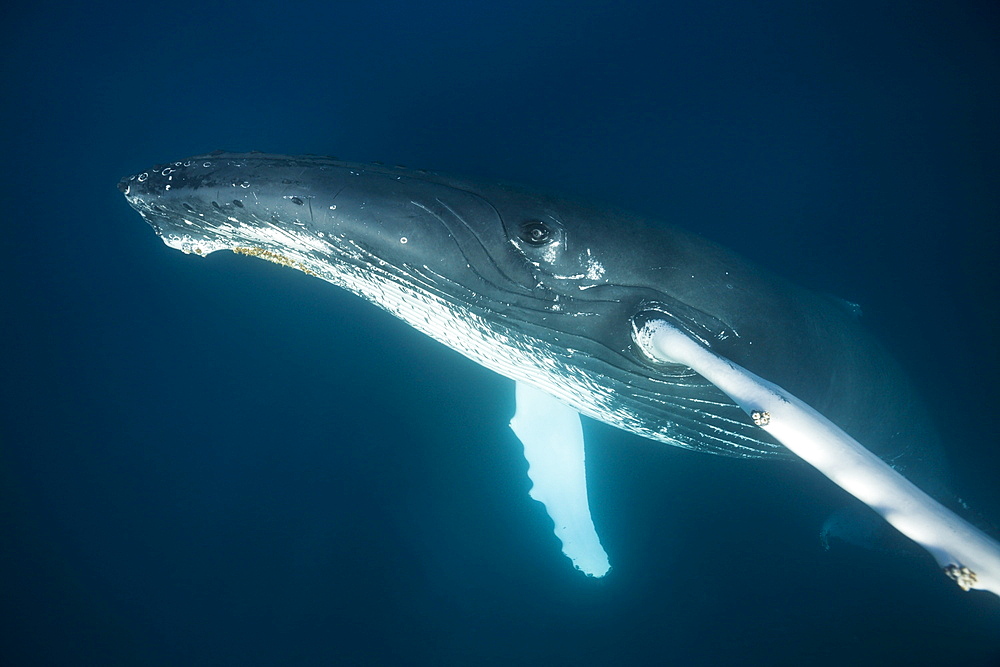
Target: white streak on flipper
(553, 444)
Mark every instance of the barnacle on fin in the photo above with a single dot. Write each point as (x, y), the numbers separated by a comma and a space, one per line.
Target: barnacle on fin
(963, 576)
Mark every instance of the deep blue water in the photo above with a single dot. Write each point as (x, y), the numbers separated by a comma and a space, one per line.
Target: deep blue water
(223, 462)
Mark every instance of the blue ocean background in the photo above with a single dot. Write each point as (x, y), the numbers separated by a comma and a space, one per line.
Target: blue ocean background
(220, 461)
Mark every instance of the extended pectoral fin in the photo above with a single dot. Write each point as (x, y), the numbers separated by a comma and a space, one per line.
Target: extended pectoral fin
(965, 553)
(553, 444)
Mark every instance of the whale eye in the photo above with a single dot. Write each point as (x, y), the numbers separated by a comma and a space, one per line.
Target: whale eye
(536, 233)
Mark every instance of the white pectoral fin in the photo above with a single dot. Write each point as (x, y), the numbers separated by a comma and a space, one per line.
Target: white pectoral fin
(966, 554)
(553, 444)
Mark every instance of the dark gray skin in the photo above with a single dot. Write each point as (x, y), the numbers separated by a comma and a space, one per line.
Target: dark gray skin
(556, 280)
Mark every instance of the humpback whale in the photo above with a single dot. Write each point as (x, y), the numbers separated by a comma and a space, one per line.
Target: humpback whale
(594, 312)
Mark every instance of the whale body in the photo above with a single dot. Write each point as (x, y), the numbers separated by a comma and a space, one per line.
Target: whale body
(550, 293)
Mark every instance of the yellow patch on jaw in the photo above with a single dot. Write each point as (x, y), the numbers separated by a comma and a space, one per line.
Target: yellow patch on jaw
(277, 258)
